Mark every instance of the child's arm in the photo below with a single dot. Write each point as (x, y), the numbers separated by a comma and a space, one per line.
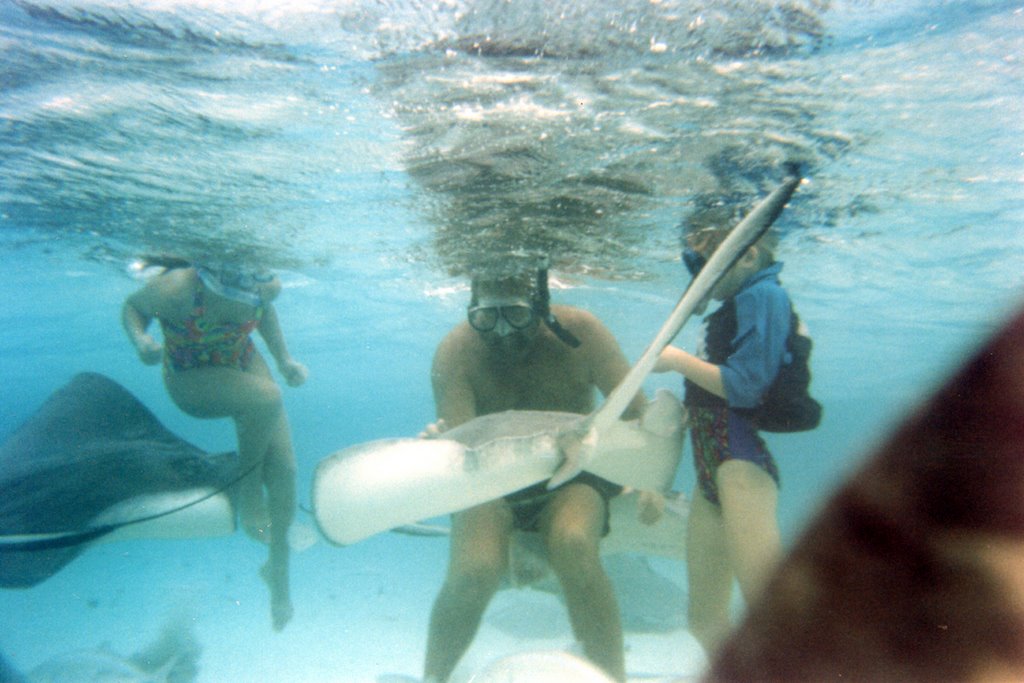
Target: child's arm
(702, 373)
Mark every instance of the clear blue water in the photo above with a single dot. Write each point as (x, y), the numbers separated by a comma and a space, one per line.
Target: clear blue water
(373, 151)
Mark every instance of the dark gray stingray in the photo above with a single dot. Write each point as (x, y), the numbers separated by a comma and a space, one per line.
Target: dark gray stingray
(92, 461)
(8, 674)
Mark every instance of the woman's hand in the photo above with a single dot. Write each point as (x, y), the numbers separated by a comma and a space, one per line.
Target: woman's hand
(294, 373)
(150, 351)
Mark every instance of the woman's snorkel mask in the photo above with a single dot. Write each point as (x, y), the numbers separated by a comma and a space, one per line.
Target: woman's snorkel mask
(238, 285)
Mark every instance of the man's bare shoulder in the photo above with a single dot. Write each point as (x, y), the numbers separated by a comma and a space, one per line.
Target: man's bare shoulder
(575, 315)
(459, 337)
(582, 323)
(456, 346)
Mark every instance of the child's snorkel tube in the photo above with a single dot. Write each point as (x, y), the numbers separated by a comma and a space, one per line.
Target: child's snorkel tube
(542, 307)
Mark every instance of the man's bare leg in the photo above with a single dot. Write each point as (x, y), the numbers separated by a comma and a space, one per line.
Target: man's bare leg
(479, 556)
(573, 525)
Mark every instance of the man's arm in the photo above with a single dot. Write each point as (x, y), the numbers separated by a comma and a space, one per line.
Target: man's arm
(454, 398)
(608, 363)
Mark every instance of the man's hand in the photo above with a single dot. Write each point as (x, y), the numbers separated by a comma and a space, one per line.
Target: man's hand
(434, 430)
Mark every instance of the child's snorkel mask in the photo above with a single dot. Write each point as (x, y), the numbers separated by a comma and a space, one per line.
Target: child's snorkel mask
(693, 260)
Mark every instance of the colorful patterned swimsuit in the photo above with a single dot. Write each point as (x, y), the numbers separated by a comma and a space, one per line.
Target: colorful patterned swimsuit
(196, 343)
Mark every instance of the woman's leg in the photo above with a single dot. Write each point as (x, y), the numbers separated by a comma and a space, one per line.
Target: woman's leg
(253, 400)
(279, 478)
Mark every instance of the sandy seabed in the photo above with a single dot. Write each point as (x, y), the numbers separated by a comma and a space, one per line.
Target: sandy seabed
(361, 612)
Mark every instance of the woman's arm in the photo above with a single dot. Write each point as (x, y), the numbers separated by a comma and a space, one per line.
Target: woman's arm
(136, 316)
(293, 372)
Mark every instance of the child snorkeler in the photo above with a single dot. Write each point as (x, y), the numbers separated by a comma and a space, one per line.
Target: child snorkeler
(733, 529)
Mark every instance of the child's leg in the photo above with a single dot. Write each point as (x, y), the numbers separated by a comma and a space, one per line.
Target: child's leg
(709, 574)
(749, 499)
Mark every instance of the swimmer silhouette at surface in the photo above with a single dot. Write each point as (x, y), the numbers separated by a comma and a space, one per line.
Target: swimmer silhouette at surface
(212, 369)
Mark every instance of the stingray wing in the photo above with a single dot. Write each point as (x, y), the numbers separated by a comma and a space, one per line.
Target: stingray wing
(92, 447)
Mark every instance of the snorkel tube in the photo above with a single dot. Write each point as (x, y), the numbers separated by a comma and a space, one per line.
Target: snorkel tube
(542, 307)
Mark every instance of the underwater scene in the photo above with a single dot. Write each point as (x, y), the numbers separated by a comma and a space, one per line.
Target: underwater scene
(358, 163)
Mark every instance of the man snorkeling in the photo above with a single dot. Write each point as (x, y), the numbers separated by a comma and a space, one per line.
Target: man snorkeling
(517, 352)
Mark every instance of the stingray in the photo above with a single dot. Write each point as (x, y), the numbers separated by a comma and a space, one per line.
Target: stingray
(93, 464)
(173, 657)
(368, 488)
(649, 601)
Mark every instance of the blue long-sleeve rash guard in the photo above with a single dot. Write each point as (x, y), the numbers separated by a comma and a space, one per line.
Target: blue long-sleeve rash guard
(763, 316)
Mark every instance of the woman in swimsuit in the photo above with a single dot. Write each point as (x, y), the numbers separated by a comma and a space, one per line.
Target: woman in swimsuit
(212, 369)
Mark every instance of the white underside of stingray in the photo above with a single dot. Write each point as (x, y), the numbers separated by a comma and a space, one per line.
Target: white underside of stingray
(373, 487)
(212, 516)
